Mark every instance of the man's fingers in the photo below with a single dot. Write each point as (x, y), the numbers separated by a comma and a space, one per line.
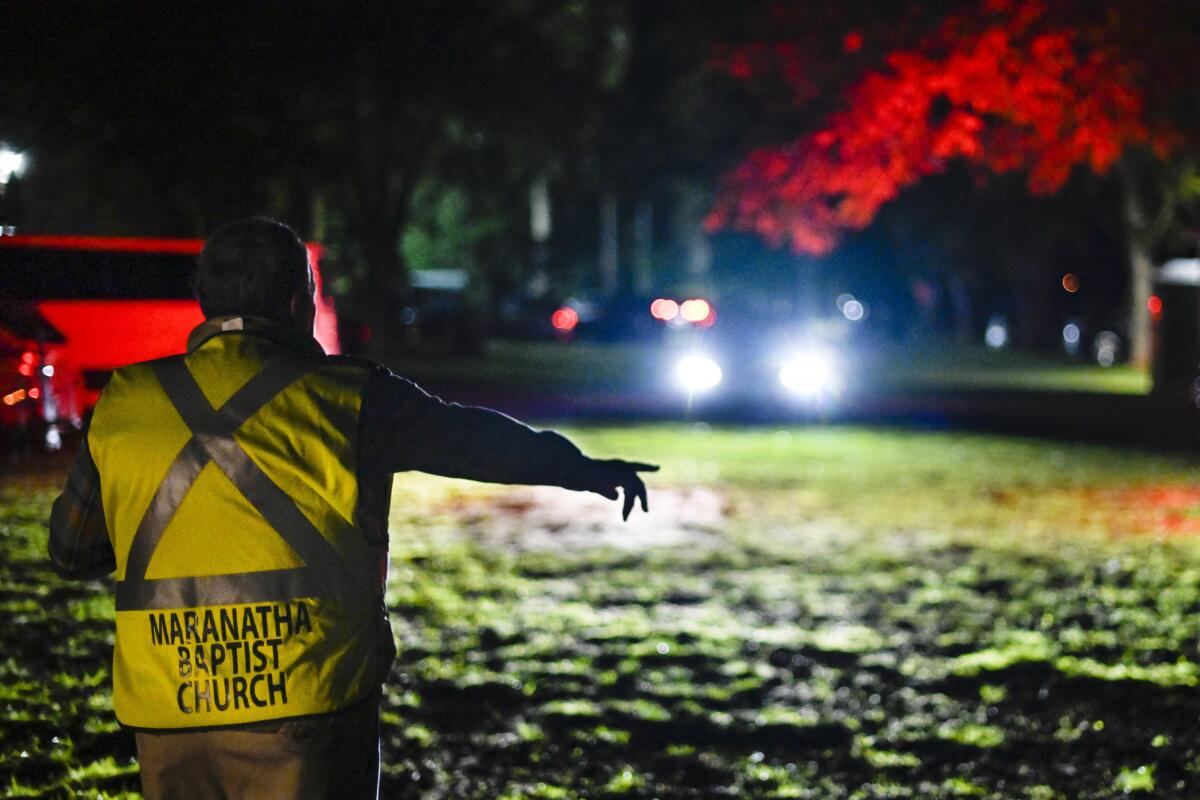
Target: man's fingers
(624, 474)
(636, 466)
(634, 491)
(638, 489)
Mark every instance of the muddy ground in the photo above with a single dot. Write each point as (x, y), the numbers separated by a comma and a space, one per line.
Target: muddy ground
(804, 613)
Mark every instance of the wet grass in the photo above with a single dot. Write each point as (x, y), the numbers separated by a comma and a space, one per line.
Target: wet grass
(858, 614)
(932, 366)
(58, 737)
(941, 365)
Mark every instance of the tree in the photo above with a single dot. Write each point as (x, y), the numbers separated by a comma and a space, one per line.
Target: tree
(1008, 85)
(168, 121)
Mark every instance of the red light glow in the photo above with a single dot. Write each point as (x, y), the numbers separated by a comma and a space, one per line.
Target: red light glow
(969, 98)
(325, 325)
(565, 319)
(104, 334)
(324, 329)
(35, 393)
(111, 244)
(1155, 305)
(664, 309)
(101, 334)
(119, 244)
(695, 310)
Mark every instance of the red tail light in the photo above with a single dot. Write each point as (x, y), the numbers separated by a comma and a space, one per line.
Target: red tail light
(565, 319)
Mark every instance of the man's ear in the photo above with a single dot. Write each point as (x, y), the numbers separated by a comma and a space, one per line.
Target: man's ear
(303, 308)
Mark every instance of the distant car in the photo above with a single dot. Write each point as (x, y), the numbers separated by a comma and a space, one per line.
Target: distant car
(621, 319)
(528, 318)
(751, 357)
(440, 312)
(577, 317)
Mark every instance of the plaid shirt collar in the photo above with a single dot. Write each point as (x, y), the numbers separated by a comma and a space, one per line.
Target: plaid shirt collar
(282, 333)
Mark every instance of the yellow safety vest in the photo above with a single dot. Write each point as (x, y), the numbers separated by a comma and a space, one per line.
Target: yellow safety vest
(247, 587)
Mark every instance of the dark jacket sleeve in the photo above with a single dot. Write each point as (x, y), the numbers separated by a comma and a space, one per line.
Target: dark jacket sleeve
(79, 543)
(405, 428)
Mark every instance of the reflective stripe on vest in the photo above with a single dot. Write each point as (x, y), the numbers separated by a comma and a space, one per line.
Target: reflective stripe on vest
(245, 590)
(212, 439)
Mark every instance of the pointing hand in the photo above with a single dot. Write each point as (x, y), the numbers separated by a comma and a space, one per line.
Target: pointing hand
(612, 474)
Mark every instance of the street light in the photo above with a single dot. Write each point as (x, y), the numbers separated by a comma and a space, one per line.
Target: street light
(12, 164)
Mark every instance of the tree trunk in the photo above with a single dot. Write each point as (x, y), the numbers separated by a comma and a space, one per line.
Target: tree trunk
(1031, 282)
(386, 286)
(609, 242)
(1141, 277)
(540, 229)
(700, 254)
(643, 247)
(960, 308)
(540, 212)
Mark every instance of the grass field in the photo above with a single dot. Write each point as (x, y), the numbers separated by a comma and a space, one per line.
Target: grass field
(806, 612)
(932, 366)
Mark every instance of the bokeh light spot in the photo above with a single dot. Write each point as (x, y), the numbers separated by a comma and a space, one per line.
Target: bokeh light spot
(564, 319)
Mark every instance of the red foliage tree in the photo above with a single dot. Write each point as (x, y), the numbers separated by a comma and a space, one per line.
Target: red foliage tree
(1012, 84)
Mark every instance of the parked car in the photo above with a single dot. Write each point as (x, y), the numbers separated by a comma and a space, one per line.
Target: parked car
(440, 313)
(39, 392)
(755, 358)
(117, 301)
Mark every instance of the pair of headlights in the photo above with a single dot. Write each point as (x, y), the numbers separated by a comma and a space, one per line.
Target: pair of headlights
(809, 374)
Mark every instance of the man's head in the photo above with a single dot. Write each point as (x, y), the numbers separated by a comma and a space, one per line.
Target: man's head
(256, 268)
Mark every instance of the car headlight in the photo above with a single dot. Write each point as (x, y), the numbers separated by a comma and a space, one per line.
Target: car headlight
(809, 374)
(697, 373)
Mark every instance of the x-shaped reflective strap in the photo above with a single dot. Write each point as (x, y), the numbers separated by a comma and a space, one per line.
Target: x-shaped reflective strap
(324, 572)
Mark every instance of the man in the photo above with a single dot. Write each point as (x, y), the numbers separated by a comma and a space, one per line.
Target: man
(240, 494)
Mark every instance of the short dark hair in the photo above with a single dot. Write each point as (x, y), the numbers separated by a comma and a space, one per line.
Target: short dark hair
(251, 267)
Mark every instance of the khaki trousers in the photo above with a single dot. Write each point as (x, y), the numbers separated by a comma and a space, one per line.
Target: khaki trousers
(335, 756)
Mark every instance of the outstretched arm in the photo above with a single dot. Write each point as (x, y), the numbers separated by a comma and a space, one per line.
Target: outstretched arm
(405, 428)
